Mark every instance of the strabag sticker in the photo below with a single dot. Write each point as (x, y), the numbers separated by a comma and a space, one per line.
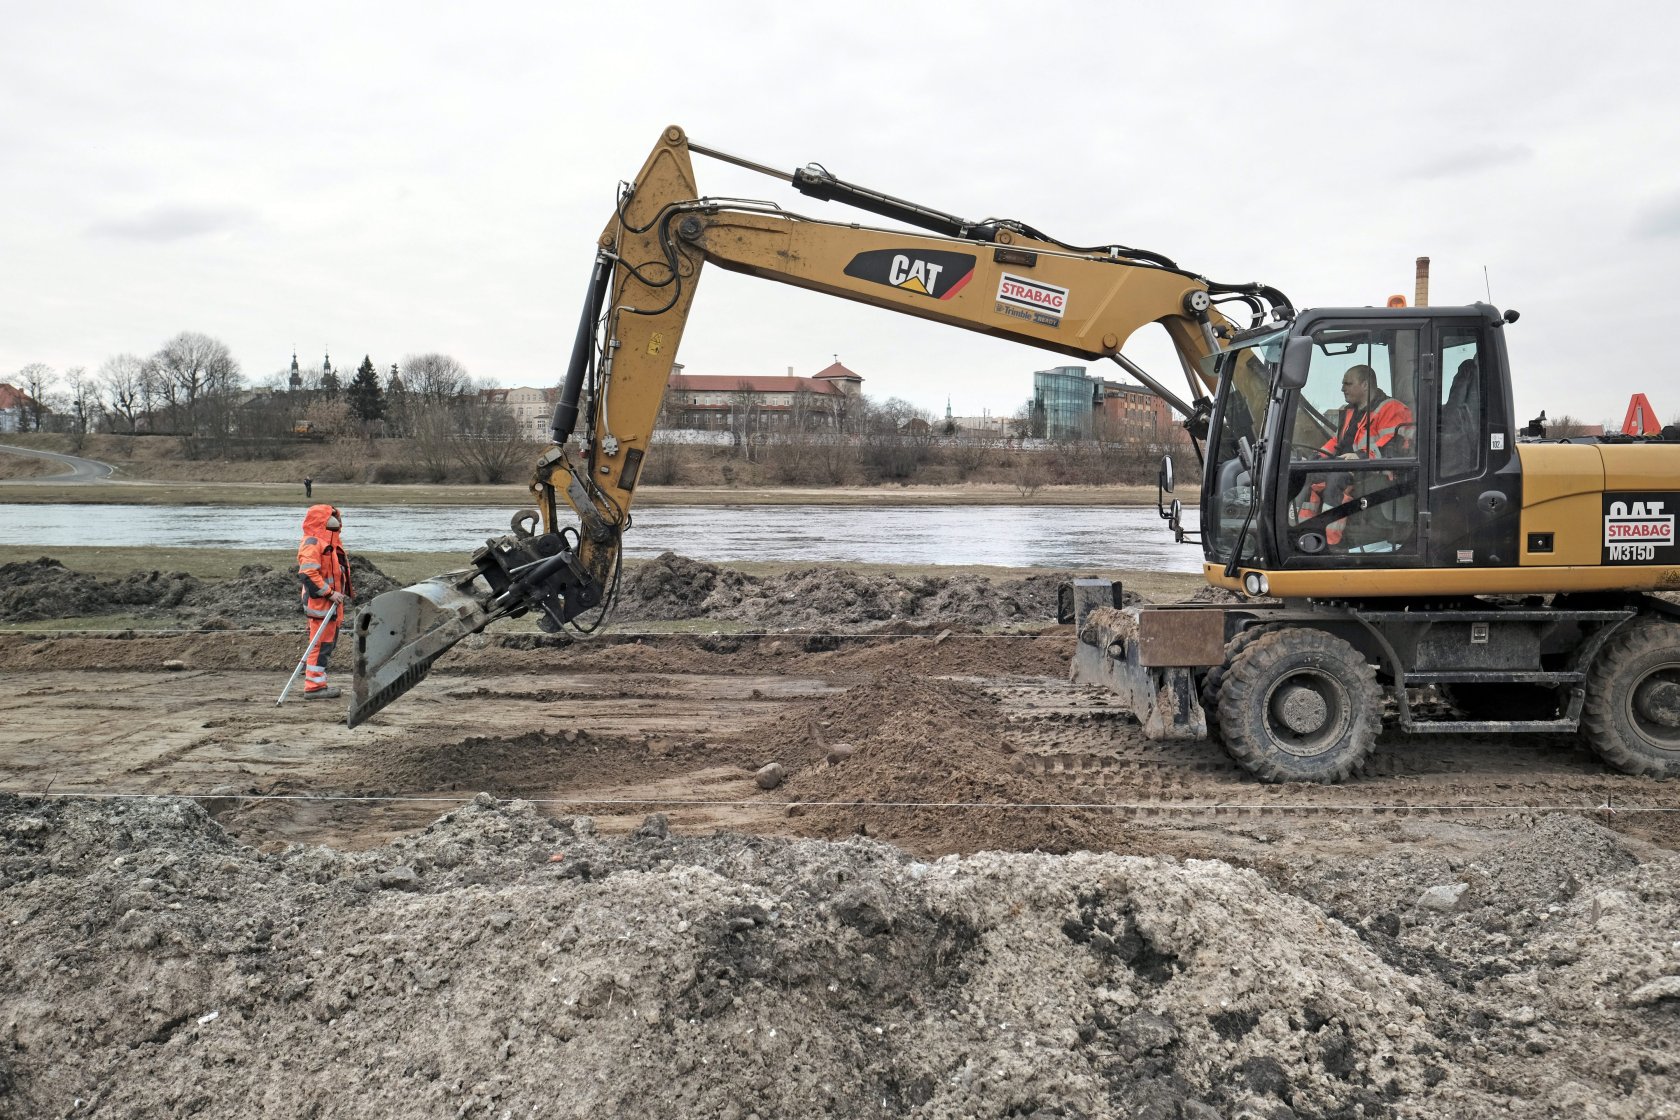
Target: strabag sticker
(1639, 528)
(1032, 300)
(925, 272)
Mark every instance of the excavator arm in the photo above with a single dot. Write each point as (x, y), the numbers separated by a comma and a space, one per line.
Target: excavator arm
(995, 277)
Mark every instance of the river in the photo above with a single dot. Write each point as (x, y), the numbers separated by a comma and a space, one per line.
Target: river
(1014, 536)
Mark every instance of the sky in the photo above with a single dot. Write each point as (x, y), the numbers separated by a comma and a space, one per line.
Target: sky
(394, 179)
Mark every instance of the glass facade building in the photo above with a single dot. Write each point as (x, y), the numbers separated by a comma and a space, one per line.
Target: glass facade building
(1064, 400)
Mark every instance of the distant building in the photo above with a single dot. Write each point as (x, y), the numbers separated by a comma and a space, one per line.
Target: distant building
(533, 410)
(1069, 403)
(1133, 413)
(985, 426)
(14, 408)
(1064, 401)
(723, 401)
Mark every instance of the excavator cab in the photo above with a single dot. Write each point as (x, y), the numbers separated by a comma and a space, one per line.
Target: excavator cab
(1358, 440)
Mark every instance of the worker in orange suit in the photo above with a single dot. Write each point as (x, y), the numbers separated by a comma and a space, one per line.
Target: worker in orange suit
(324, 577)
(1374, 426)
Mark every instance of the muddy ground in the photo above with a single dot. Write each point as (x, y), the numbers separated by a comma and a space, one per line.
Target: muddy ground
(217, 906)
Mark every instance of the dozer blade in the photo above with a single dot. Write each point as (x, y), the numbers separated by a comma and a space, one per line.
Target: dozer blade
(401, 633)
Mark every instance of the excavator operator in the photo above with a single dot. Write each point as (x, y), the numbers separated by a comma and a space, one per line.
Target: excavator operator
(1374, 425)
(324, 583)
(1372, 421)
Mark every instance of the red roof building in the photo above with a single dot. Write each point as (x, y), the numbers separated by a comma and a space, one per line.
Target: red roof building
(14, 406)
(722, 401)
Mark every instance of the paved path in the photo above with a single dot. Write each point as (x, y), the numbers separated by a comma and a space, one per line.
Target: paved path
(77, 470)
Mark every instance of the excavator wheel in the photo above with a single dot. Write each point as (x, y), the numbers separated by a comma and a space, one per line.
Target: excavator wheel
(1299, 705)
(1215, 678)
(1632, 712)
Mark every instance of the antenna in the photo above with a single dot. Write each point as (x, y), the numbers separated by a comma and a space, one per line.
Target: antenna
(1486, 285)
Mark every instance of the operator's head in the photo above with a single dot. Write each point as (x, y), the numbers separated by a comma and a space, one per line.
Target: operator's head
(1358, 385)
(334, 521)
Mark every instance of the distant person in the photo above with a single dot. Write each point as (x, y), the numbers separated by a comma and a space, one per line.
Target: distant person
(308, 487)
(324, 575)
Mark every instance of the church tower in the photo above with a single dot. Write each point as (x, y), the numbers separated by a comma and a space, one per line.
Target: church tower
(295, 382)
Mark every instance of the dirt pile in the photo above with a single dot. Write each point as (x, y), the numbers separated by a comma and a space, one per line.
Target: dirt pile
(907, 758)
(504, 963)
(674, 587)
(261, 594)
(44, 589)
(34, 590)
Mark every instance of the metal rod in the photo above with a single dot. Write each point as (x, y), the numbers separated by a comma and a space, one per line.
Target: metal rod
(1152, 385)
(739, 161)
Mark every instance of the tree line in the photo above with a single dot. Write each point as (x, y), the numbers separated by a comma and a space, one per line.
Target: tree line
(193, 390)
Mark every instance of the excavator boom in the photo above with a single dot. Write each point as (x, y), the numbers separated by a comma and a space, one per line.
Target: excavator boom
(996, 277)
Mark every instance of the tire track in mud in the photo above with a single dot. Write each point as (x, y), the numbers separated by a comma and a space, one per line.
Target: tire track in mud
(1077, 739)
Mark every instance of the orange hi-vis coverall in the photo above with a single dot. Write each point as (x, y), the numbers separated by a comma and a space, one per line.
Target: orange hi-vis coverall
(1384, 430)
(323, 568)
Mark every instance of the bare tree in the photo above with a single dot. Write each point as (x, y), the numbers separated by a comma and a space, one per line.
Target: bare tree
(123, 377)
(435, 377)
(85, 408)
(198, 378)
(746, 415)
(431, 385)
(487, 439)
(897, 439)
(430, 445)
(36, 380)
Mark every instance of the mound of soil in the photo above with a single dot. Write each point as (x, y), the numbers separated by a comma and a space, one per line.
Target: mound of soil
(674, 587)
(261, 594)
(502, 963)
(34, 590)
(44, 589)
(923, 760)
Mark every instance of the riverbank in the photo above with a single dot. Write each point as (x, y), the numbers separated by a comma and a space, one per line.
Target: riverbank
(129, 492)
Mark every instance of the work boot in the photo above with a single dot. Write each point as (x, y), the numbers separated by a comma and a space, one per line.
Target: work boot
(329, 692)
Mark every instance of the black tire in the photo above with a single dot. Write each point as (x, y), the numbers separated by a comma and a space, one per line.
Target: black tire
(1216, 677)
(1622, 719)
(1330, 725)
(1503, 700)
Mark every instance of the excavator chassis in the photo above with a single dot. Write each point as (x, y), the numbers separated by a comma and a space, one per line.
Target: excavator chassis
(1296, 690)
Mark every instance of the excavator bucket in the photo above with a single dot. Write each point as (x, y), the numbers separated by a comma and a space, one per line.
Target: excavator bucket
(401, 633)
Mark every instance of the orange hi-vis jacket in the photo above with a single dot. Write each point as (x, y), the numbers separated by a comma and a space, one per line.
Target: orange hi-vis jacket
(322, 565)
(1383, 431)
(1373, 431)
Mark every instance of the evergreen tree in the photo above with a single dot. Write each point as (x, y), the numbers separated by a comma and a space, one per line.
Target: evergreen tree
(330, 388)
(367, 399)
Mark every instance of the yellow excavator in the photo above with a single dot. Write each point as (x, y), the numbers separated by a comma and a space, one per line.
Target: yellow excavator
(1385, 525)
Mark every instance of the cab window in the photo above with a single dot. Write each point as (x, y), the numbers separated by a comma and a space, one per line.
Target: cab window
(1353, 444)
(1459, 450)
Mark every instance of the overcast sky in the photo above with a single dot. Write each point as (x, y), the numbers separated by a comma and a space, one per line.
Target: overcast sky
(396, 179)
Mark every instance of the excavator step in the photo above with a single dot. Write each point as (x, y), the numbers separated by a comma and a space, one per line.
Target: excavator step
(1488, 726)
(1494, 676)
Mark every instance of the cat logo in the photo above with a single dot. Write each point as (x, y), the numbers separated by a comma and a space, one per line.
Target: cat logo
(926, 272)
(1639, 528)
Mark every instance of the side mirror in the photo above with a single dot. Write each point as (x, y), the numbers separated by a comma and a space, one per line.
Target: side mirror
(1295, 358)
(1163, 487)
(1175, 520)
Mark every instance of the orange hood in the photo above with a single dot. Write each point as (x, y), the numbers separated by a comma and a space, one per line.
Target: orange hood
(315, 524)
